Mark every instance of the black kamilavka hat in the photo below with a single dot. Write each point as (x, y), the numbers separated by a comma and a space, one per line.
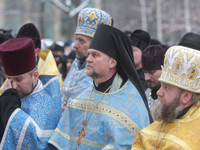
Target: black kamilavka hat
(140, 39)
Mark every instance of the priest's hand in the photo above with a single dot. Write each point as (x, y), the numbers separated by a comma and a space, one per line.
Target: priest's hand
(9, 84)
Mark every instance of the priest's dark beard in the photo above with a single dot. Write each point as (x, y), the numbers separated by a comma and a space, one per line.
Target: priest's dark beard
(81, 58)
(167, 112)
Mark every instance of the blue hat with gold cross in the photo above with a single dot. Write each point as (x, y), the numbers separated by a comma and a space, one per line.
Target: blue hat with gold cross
(89, 19)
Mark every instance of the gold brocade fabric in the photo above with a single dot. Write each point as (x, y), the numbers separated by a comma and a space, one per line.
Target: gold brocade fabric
(182, 134)
(46, 66)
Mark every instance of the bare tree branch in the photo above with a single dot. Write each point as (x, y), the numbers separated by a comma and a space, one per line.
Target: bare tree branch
(68, 2)
(60, 5)
(66, 8)
(77, 9)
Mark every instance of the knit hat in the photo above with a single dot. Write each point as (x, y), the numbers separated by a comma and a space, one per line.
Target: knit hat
(153, 57)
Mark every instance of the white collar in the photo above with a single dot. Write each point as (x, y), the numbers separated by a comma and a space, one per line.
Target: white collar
(38, 86)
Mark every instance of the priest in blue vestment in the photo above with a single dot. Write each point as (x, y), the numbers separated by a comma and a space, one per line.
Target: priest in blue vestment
(110, 113)
(30, 106)
(77, 81)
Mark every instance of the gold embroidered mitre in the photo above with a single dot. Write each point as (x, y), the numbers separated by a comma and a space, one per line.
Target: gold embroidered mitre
(181, 68)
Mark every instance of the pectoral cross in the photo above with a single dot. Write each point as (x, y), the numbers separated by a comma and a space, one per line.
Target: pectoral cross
(81, 134)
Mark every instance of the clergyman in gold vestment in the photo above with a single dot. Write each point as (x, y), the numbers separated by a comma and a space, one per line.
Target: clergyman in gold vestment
(177, 111)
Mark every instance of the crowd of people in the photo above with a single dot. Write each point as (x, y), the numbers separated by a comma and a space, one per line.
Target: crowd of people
(114, 90)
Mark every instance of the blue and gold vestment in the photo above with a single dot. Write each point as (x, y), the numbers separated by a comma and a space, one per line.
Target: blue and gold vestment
(115, 122)
(31, 126)
(75, 82)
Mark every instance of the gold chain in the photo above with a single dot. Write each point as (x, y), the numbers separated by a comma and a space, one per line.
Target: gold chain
(96, 103)
(149, 100)
(164, 135)
(82, 133)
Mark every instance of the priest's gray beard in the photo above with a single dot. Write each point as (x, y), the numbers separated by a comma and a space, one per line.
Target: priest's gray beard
(94, 75)
(167, 112)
